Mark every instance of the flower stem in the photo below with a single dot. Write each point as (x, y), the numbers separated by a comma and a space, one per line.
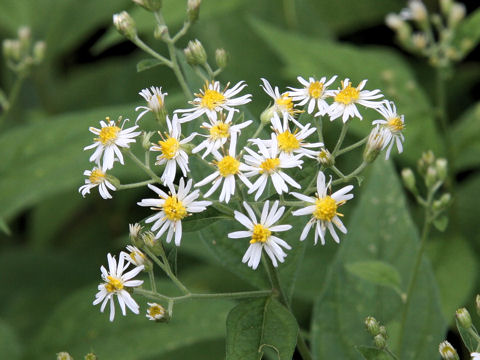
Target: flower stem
(353, 146)
(152, 280)
(354, 173)
(390, 353)
(143, 166)
(343, 132)
(230, 295)
(134, 185)
(12, 97)
(137, 41)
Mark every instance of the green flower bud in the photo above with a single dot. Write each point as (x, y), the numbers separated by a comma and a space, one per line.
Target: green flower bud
(39, 51)
(193, 10)
(431, 177)
(125, 25)
(457, 14)
(409, 180)
(150, 5)
(383, 331)
(115, 182)
(195, 53)
(374, 145)
(64, 356)
(267, 115)
(149, 240)
(441, 166)
(160, 32)
(11, 50)
(380, 341)
(90, 356)
(419, 40)
(146, 143)
(326, 158)
(221, 58)
(445, 6)
(135, 234)
(463, 317)
(447, 351)
(372, 325)
(425, 161)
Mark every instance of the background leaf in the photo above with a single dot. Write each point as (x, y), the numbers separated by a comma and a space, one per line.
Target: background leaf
(377, 272)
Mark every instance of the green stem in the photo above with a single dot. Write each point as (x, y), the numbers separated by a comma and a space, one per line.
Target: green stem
(389, 352)
(353, 146)
(183, 31)
(137, 41)
(12, 97)
(343, 132)
(152, 281)
(134, 185)
(141, 165)
(320, 129)
(254, 136)
(290, 13)
(354, 173)
(231, 295)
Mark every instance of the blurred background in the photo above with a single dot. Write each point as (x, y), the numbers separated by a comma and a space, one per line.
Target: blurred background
(53, 241)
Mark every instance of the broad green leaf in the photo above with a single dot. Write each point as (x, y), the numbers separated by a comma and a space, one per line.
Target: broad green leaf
(377, 272)
(466, 139)
(9, 344)
(384, 69)
(441, 223)
(469, 340)
(205, 350)
(466, 204)
(380, 230)
(147, 64)
(467, 34)
(371, 353)
(255, 324)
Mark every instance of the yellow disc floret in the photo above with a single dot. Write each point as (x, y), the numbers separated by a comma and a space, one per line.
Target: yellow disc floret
(395, 124)
(269, 165)
(228, 166)
(156, 311)
(285, 103)
(348, 95)
(169, 147)
(315, 89)
(97, 176)
(260, 234)
(219, 131)
(211, 99)
(287, 142)
(108, 135)
(174, 209)
(113, 284)
(325, 208)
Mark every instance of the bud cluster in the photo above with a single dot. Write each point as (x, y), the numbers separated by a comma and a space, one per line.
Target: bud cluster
(22, 53)
(378, 332)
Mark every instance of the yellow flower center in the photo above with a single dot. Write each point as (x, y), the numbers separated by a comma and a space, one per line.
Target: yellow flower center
(174, 209)
(348, 95)
(219, 131)
(260, 234)
(315, 89)
(156, 310)
(211, 99)
(137, 256)
(97, 176)
(228, 166)
(325, 208)
(285, 103)
(269, 165)
(108, 134)
(395, 124)
(287, 142)
(169, 147)
(113, 284)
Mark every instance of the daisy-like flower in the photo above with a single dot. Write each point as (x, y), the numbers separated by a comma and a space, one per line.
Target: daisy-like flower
(155, 101)
(394, 124)
(172, 208)
(211, 100)
(323, 210)
(283, 103)
(261, 234)
(227, 168)
(155, 312)
(109, 141)
(346, 98)
(135, 256)
(475, 355)
(220, 129)
(97, 177)
(314, 93)
(115, 282)
(171, 151)
(291, 143)
(447, 351)
(269, 164)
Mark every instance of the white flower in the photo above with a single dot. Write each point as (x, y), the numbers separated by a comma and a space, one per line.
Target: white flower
(220, 130)
(283, 103)
(268, 164)
(323, 210)
(97, 177)
(211, 99)
(475, 355)
(227, 168)
(110, 139)
(261, 234)
(172, 208)
(314, 93)
(394, 124)
(346, 98)
(135, 256)
(115, 282)
(155, 101)
(416, 10)
(447, 351)
(171, 151)
(155, 311)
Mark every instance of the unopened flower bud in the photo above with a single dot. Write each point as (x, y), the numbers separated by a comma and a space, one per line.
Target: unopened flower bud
(188, 148)
(425, 161)
(146, 136)
(419, 40)
(195, 53)
(457, 14)
(64, 356)
(326, 158)
(394, 21)
(441, 167)
(221, 58)
(445, 6)
(135, 234)
(39, 51)
(150, 5)
(125, 24)
(463, 317)
(267, 115)
(447, 351)
(375, 144)
(431, 177)
(193, 10)
(156, 312)
(383, 331)
(380, 341)
(477, 303)
(409, 180)
(160, 32)
(90, 356)
(112, 179)
(11, 49)
(25, 37)
(418, 10)
(372, 325)
(149, 240)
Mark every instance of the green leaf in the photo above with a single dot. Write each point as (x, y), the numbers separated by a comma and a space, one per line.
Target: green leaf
(441, 223)
(467, 35)
(9, 345)
(377, 272)
(371, 353)
(256, 324)
(380, 230)
(4, 227)
(147, 64)
(469, 339)
(466, 139)
(384, 69)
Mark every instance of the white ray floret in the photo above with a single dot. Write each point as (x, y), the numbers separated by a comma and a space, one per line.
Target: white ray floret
(212, 99)
(115, 284)
(172, 153)
(172, 208)
(323, 210)
(393, 124)
(109, 141)
(97, 177)
(313, 93)
(155, 101)
(261, 234)
(345, 100)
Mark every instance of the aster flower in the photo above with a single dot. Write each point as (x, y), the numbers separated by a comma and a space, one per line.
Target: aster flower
(314, 93)
(97, 177)
(155, 101)
(227, 168)
(109, 141)
(155, 312)
(115, 282)
(211, 99)
(172, 208)
(261, 234)
(394, 124)
(323, 210)
(135, 256)
(220, 130)
(346, 98)
(268, 164)
(171, 151)
(475, 355)
(447, 351)
(283, 103)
